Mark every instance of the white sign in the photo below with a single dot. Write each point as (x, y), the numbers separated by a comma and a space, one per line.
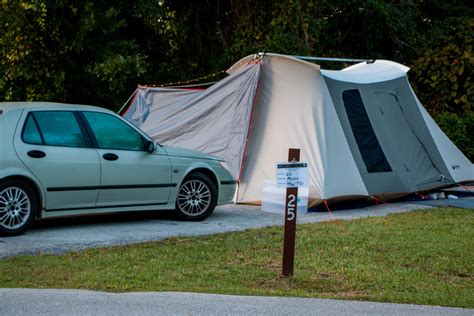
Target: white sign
(292, 175)
(274, 199)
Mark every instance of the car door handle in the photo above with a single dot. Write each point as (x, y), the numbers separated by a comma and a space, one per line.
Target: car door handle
(110, 156)
(36, 154)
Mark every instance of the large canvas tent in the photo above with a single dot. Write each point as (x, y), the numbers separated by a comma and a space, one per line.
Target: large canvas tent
(362, 130)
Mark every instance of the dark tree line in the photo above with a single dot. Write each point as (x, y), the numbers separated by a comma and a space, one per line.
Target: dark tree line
(96, 52)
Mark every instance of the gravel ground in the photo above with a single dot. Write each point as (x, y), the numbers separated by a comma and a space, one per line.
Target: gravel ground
(62, 235)
(80, 302)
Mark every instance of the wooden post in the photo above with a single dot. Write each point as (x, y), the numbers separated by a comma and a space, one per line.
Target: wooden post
(290, 221)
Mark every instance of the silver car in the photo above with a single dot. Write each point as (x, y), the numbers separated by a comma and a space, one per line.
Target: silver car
(62, 159)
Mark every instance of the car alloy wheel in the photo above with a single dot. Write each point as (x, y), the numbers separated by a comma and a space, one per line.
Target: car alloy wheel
(17, 206)
(196, 197)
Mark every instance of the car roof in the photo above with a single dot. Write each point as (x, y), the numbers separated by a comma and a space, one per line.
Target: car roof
(6, 106)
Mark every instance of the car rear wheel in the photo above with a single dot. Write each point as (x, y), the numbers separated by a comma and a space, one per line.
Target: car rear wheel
(18, 206)
(197, 197)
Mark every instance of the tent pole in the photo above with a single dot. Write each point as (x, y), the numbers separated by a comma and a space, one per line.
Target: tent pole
(126, 102)
(349, 60)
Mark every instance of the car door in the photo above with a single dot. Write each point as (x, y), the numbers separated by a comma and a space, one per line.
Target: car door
(130, 175)
(56, 149)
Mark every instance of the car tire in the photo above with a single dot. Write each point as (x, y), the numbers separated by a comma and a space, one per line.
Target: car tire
(196, 198)
(18, 206)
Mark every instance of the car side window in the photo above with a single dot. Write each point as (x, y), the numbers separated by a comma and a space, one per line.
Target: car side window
(112, 133)
(31, 133)
(54, 128)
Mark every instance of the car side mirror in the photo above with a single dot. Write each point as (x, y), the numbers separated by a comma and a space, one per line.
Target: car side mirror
(149, 146)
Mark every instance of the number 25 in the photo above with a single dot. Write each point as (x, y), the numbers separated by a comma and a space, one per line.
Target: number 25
(291, 207)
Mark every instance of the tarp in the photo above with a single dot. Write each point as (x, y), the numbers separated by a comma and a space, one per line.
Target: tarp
(214, 121)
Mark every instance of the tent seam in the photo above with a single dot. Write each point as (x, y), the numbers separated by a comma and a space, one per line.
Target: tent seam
(242, 162)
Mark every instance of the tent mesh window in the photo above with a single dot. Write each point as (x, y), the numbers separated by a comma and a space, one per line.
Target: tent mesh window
(369, 146)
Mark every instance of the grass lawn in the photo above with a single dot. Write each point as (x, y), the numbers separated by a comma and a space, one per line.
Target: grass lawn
(421, 257)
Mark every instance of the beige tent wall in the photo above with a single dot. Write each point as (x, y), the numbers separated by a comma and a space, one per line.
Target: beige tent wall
(294, 109)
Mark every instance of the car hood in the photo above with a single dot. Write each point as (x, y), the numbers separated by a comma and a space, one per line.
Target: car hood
(188, 153)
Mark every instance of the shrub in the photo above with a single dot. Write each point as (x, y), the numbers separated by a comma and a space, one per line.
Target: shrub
(460, 129)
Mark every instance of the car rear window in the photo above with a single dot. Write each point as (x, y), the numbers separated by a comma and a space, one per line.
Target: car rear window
(31, 133)
(54, 128)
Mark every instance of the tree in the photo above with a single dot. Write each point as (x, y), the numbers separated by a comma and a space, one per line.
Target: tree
(66, 52)
(96, 52)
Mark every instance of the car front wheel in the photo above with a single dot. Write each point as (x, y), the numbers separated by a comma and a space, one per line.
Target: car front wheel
(17, 207)
(197, 197)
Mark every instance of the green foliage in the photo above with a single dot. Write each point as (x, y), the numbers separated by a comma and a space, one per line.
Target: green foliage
(25, 56)
(369, 29)
(442, 79)
(460, 129)
(445, 71)
(96, 52)
(358, 28)
(59, 51)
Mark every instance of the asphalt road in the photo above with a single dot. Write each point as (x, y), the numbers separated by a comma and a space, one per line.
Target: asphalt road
(80, 302)
(72, 234)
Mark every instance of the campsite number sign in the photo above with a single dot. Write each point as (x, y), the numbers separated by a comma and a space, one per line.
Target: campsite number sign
(291, 175)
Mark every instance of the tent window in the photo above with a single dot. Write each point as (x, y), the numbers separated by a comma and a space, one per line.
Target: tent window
(364, 134)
